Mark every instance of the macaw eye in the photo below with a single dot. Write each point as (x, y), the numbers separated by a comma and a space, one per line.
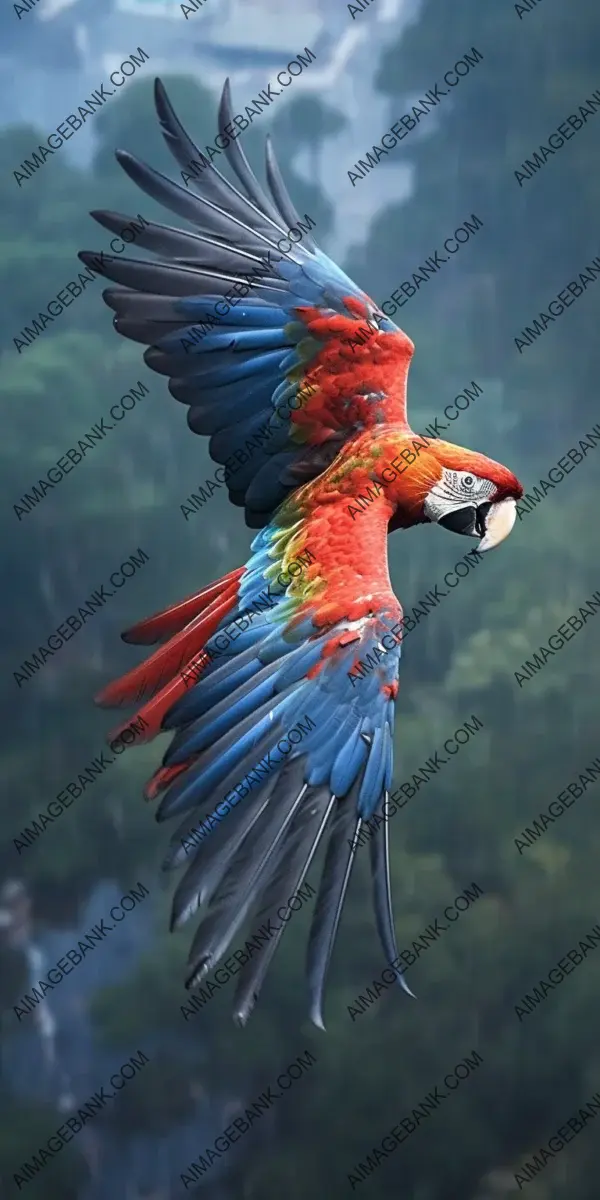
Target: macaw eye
(468, 481)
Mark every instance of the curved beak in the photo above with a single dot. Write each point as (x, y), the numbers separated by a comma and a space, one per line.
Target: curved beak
(498, 524)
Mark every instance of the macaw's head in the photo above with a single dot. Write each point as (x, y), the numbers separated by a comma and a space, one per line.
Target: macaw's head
(459, 489)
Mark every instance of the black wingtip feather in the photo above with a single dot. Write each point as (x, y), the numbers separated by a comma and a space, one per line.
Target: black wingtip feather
(212, 858)
(252, 868)
(281, 196)
(107, 217)
(93, 260)
(298, 852)
(382, 892)
(125, 158)
(339, 860)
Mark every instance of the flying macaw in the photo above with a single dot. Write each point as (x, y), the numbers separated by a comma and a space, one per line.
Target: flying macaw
(301, 385)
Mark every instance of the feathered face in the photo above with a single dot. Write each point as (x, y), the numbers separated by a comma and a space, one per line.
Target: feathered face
(474, 496)
(465, 492)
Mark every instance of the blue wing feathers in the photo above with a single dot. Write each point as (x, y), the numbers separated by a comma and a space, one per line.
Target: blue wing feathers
(204, 732)
(372, 784)
(244, 316)
(220, 409)
(233, 338)
(242, 367)
(225, 442)
(265, 491)
(234, 229)
(198, 701)
(239, 373)
(347, 764)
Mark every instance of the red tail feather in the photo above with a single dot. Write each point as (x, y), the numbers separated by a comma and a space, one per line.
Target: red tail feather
(171, 620)
(163, 777)
(158, 678)
(152, 712)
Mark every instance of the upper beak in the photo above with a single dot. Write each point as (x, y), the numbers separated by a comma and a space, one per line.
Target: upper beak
(499, 522)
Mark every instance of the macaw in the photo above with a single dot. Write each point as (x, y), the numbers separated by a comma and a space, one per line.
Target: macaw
(301, 386)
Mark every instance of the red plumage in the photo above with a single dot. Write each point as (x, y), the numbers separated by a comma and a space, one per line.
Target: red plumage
(171, 620)
(159, 677)
(343, 471)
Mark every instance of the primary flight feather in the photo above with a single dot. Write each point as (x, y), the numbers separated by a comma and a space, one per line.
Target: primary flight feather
(300, 382)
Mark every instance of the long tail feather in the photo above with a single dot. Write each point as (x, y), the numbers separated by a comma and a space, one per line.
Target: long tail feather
(194, 825)
(382, 892)
(242, 883)
(161, 780)
(212, 860)
(337, 868)
(302, 844)
(164, 664)
(173, 619)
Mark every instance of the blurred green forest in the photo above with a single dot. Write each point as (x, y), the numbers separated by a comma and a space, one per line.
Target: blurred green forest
(460, 661)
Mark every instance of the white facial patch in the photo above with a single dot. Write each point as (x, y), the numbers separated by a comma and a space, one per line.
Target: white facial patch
(455, 490)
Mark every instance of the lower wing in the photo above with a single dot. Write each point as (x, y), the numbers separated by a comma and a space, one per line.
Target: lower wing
(282, 739)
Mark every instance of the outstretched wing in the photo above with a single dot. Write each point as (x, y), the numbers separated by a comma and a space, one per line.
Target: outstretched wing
(281, 733)
(294, 363)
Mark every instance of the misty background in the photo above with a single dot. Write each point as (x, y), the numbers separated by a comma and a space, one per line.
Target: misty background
(459, 828)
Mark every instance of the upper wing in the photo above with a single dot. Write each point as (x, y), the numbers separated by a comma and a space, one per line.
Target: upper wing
(286, 732)
(295, 362)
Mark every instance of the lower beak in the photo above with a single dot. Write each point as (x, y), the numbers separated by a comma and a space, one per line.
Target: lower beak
(462, 520)
(498, 524)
